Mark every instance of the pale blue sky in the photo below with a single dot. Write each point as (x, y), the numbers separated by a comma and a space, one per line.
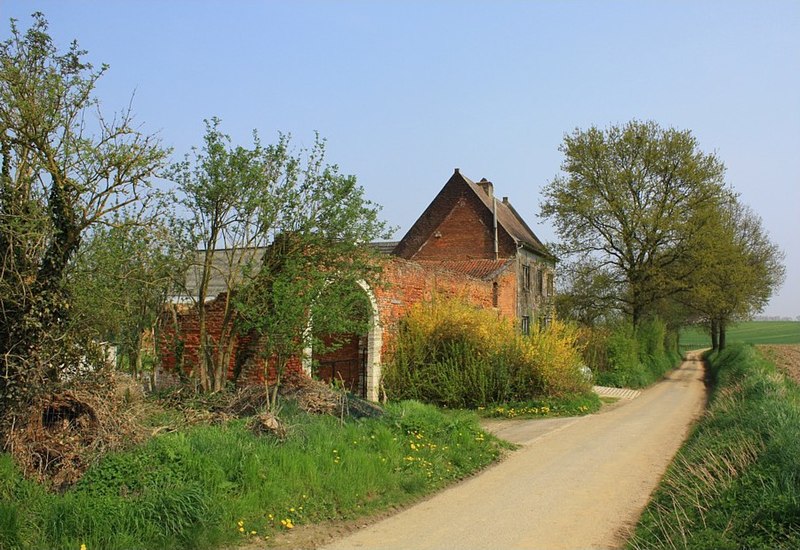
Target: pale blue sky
(406, 91)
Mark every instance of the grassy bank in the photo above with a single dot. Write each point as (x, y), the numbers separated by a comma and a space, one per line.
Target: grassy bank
(750, 332)
(736, 482)
(213, 485)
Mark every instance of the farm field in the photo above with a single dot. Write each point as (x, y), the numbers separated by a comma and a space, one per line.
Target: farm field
(750, 332)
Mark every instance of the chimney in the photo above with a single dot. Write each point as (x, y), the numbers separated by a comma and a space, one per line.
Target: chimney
(456, 171)
(505, 200)
(487, 187)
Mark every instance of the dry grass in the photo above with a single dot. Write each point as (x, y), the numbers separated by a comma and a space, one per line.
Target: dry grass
(785, 356)
(59, 435)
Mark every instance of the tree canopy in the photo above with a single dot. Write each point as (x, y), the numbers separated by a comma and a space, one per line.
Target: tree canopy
(282, 230)
(66, 167)
(630, 204)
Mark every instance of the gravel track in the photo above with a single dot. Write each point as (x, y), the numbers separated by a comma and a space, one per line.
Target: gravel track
(576, 483)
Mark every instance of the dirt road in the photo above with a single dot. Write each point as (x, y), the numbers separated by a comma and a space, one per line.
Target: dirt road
(576, 483)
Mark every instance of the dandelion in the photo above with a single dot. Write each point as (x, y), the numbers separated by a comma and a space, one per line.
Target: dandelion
(253, 533)
(83, 546)
(291, 510)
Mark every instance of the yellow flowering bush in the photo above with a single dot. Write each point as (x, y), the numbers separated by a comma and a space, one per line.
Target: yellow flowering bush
(452, 354)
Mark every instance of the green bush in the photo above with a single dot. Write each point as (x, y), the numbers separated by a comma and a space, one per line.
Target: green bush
(454, 355)
(622, 357)
(736, 482)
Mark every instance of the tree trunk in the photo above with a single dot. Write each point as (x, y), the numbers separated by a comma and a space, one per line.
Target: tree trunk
(714, 335)
(721, 335)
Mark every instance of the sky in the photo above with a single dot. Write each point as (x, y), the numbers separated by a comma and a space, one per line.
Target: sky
(404, 92)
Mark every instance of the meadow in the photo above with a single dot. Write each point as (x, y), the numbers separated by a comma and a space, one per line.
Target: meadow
(749, 332)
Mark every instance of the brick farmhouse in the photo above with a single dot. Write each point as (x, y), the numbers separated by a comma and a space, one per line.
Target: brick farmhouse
(467, 243)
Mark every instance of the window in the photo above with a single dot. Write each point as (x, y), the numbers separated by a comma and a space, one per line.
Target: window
(551, 290)
(526, 277)
(495, 294)
(539, 281)
(525, 325)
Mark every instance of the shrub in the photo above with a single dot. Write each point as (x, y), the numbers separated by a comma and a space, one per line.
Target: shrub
(622, 357)
(454, 355)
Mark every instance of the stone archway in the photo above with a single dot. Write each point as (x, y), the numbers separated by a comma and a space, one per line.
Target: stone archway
(362, 350)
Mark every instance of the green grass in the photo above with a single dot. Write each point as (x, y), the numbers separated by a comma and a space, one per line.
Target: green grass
(214, 485)
(750, 332)
(571, 405)
(736, 481)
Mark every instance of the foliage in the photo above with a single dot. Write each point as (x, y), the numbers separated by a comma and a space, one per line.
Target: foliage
(622, 357)
(220, 485)
(629, 206)
(739, 269)
(277, 229)
(122, 278)
(452, 354)
(65, 169)
(734, 483)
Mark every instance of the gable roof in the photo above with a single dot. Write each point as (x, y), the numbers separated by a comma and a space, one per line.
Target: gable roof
(507, 218)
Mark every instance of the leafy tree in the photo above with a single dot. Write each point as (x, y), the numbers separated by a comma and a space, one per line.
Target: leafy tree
(65, 169)
(629, 206)
(739, 269)
(230, 195)
(276, 228)
(308, 281)
(122, 279)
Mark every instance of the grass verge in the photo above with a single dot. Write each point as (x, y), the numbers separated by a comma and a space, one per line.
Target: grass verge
(571, 405)
(736, 482)
(213, 485)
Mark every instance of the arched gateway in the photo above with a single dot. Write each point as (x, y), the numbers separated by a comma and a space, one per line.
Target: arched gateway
(357, 362)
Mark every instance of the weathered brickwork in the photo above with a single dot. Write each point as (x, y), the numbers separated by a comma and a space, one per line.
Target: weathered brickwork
(467, 244)
(408, 283)
(179, 341)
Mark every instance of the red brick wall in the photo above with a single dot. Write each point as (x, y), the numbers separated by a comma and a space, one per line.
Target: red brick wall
(188, 332)
(462, 235)
(406, 283)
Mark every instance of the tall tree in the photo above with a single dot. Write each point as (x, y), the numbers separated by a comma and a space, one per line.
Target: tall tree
(65, 168)
(629, 205)
(739, 268)
(308, 282)
(269, 222)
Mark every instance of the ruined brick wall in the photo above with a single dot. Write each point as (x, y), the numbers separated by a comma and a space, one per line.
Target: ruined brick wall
(406, 283)
(179, 341)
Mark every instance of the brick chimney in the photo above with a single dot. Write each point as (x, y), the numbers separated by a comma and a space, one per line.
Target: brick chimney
(487, 187)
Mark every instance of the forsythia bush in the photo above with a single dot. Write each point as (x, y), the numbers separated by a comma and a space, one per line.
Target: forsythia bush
(449, 353)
